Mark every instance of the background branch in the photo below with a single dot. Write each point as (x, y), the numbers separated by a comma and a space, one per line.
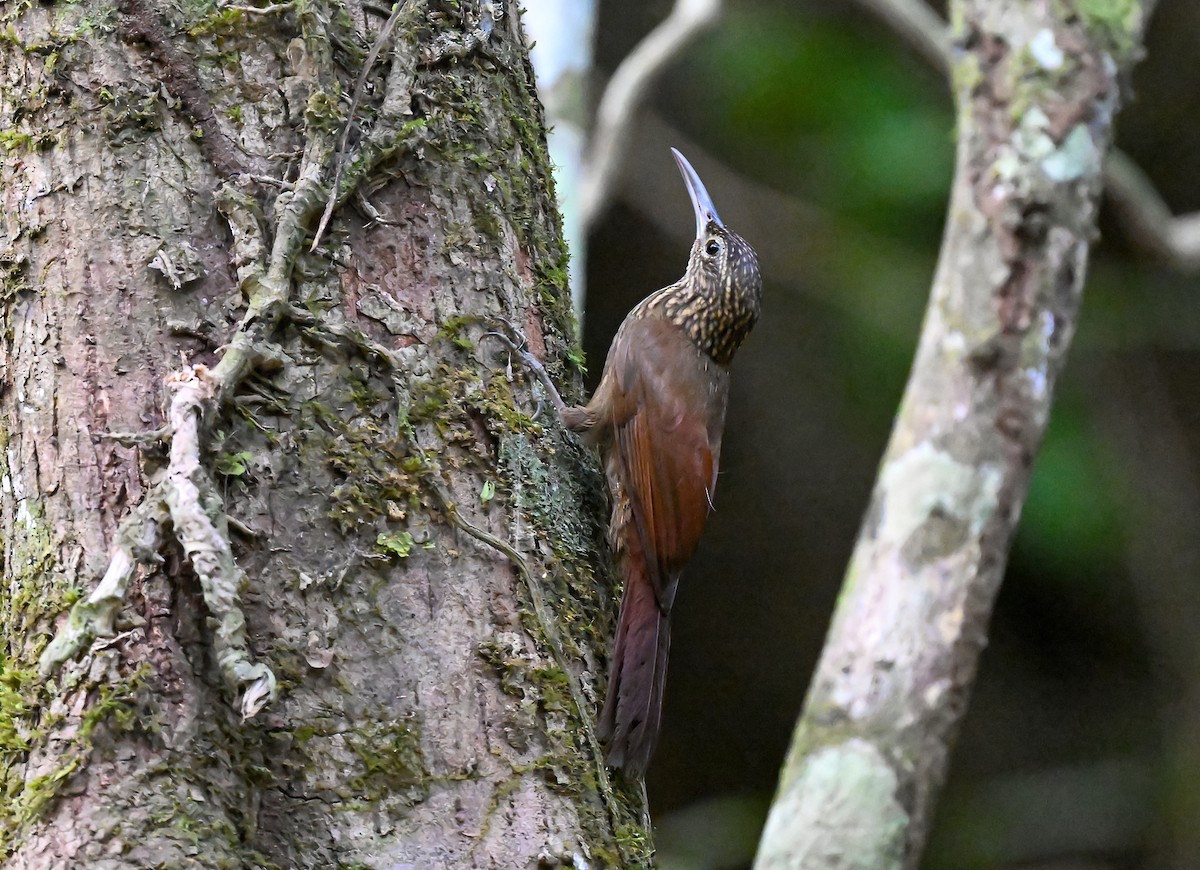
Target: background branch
(919, 25)
(871, 749)
(1146, 217)
(625, 93)
(1142, 212)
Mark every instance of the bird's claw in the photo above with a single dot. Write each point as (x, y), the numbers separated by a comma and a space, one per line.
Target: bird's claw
(512, 337)
(505, 340)
(516, 342)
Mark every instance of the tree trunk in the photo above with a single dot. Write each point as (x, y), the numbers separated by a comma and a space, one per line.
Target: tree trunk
(1037, 89)
(338, 511)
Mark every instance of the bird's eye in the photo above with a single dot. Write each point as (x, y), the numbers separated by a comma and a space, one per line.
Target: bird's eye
(712, 248)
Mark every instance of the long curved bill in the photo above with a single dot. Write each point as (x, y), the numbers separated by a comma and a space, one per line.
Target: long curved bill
(705, 210)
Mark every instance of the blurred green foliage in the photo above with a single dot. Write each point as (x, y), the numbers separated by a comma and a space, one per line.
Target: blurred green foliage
(1070, 526)
(794, 95)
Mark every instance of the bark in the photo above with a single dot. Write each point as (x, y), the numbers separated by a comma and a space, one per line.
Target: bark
(1036, 87)
(242, 478)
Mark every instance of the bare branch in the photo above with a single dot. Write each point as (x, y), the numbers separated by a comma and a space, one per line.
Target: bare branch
(1141, 209)
(624, 94)
(259, 10)
(1147, 219)
(919, 24)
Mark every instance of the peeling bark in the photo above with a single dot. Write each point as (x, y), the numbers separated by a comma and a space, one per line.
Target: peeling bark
(341, 449)
(1037, 87)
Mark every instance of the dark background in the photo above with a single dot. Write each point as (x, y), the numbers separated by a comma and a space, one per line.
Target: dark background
(828, 143)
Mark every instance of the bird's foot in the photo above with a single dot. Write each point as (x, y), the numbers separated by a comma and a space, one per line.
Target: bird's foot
(516, 343)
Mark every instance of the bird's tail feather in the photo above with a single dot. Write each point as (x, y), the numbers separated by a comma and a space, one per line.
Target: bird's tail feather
(632, 711)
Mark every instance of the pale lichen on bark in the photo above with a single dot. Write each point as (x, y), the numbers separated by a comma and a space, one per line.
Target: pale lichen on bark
(1037, 88)
(186, 490)
(188, 498)
(848, 792)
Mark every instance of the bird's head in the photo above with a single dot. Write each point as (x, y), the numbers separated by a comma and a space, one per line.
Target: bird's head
(722, 267)
(721, 260)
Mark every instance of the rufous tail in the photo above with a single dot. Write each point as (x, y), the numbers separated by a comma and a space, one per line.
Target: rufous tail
(632, 711)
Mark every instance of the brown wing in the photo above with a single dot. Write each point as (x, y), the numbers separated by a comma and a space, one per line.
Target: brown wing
(667, 442)
(659, 412)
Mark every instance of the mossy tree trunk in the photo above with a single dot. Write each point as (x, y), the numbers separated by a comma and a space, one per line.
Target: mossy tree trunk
(240, 477)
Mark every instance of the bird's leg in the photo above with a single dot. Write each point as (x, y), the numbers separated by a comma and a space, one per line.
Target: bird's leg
(517, 344)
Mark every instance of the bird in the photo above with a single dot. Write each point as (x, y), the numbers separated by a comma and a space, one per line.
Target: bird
(657, 417)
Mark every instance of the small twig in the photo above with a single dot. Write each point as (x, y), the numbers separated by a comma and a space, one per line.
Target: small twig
(373, 214)
(624, 95)
(355, 338)
(339, 164)
(241, 528)
(115, 639)
(1174, 239)
(531, 362)
(138, 439)
(269, 180)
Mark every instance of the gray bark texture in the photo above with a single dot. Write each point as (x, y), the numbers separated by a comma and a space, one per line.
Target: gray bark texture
(1037, 86)
(291, 576)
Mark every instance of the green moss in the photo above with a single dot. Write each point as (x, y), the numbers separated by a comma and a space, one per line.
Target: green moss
(322, 113)
(14, 10)
(233, 464)
(31, 721)
(17, 693)
(497, 403)
(634, 845)
(512, 155)
(374, 473)
(568, 511)
(1116, 22)
(13, 280)
(130, 110)
(15, 140)
(567, 764)
(454, 330)
(392, 763)
(396, 544)
(215, 19)
(554, 295)
(38, 588)
(25, 723)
